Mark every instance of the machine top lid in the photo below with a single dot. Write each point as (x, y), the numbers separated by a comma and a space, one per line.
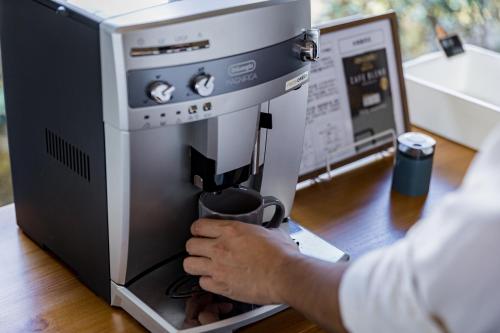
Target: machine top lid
(103, 9)
(126, 14)
(175, 11)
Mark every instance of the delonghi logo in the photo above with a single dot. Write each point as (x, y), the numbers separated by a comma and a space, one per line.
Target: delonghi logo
(241, 68)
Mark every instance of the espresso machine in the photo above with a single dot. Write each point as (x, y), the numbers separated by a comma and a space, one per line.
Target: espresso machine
(120, 113)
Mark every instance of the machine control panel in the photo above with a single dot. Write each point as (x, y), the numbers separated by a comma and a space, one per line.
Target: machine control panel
(204, 85)
(160, 91)
(149, 87)
(162, 96)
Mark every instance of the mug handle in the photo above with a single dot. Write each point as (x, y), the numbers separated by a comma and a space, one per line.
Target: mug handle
(279, 214)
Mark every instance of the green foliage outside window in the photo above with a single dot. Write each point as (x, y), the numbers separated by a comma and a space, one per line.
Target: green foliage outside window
(477, 21)
(5, 180)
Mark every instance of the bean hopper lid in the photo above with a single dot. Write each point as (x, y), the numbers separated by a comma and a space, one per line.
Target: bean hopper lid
(416, 145)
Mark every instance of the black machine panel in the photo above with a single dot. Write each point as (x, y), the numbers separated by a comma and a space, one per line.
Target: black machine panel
(51, 66)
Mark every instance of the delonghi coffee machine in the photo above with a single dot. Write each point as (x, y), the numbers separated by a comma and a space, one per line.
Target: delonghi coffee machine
(121, 112)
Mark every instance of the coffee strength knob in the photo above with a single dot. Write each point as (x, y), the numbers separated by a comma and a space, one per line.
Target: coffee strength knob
(160, 91)
(204, 85)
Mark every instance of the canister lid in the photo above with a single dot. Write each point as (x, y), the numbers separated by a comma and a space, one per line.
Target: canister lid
(417, 145)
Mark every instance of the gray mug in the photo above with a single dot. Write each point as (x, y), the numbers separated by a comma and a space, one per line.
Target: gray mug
(240, 204)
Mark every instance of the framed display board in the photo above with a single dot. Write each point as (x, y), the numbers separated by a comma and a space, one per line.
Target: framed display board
(357, 96)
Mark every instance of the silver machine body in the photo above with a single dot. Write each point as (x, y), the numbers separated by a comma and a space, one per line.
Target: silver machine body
(196, 95)
(152, 192)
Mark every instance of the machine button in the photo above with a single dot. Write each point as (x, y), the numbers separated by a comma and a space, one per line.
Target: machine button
(207, 106)
(204, 85)
(160, 91)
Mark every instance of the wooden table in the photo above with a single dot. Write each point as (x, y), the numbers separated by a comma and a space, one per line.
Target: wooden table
(356, 211)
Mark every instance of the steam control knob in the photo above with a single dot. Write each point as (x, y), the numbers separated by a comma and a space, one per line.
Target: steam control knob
(160, 91)
(204, 85)
(308, 47)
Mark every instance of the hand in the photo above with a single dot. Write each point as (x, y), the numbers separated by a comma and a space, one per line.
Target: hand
(241, 261)
(203, 309)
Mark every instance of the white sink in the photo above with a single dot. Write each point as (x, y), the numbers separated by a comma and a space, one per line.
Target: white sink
(457, 98)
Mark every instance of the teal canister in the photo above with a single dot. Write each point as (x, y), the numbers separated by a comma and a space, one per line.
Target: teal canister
(413, 167)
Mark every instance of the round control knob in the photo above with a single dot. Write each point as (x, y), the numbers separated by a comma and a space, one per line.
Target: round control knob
(160, 91)
(204, 85)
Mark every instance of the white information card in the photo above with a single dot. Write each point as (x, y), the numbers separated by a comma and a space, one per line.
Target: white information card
(356, 91)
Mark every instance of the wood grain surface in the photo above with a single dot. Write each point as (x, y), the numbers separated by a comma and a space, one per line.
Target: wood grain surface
(356, 212)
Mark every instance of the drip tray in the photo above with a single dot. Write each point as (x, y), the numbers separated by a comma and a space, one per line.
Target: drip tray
(152, 290)
(168, 300)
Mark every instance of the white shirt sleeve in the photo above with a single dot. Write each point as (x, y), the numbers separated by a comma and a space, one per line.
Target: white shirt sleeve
(444, 276)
